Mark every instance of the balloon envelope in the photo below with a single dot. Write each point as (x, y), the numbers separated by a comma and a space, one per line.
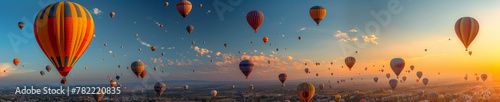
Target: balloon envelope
(64, 36)
(137, 68)
(184, 7)
(159, 88)
(349, 61)
(393, 83)
(305, 91)
(246, 67)
(466, 29)
(255, 19)
(397, 65)
(317, 13)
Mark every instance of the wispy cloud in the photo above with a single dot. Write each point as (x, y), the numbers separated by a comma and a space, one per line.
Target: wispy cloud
(97, 11)
(370, 38)
(218, 53)
(201, 50)
(290, 58)
(344, 37)
(301, 29)
(353, 30)
(9, 70)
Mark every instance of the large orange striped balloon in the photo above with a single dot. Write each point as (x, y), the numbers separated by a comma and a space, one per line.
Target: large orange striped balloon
(466, 29)
(317, 13)
(184, 7)
(63, 31)
(305, 91)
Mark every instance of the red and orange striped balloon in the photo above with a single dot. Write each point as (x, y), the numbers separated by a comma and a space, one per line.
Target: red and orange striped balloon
(184, 7)
(63, 31)
(466, 29)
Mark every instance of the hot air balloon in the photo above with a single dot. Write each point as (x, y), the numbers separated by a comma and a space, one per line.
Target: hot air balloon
(112, 14)
(433, 97)
(48, 68)
(466, 29)
(136, 35)
(425, 50)
(419, 74)
(16, 61)
(397, 65)
(122, 73)
(21, 25)
(153, 48)
(331, 74)
(412, 67)
(317, 13)
(137, 68)
(73, 29)
(466, 78)
(112, 83)
(349, 61)
(265, 39)
(321, 86)
(214, 93)
(305, 91)
(388, 75)
(201, 5)
(143, 74)
(184, 7)
(484, 77)
(250, 86)
(282, 77)
(300, 37)
(362, 100)
(440, 98)
(317, 74)
(425, 81)
(470, 53)
(85, 67)
(337, 97)
(189, 29)
(117, 77)
(162, 54)
(225, 45)
(159, 88)
(161, 25)
(246, 67)
(393, 83)
(114, 55)
(233, 86)
(121, 47)
(192, 42)
(162, 71)
(186, 87)
(119, 66)
(420, 92)
(404, 78)
(306, 70)
(354, 82)
(255, 19)
(166, 4)
(375, 79)
(42, 73)
(105, 45)
(99, 95)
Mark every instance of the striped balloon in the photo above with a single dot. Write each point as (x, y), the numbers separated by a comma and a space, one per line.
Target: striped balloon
(393, 83)
(159, 88)
(466, 29)
(246, 67)
(305, 91)
(63, 31)
(265, 39)
(21, 25)
(433, 96)
(282, 77)
(349, 61)
(425, 81)
(184, 7)
(317, 13)
(190, 29)
(112, 83)
(419, 74)
(255, 19)
(137, 68)
(397, 65)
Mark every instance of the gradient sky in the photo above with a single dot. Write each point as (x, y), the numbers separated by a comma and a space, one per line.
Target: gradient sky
(419, 25)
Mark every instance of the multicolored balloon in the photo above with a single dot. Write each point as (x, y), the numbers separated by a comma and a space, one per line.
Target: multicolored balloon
(137, 68)
(466, 29)
(246, 67)
(159, 88)
(393, 83)
(349, 61)
(305, 91)
(397, 65)
(64, 36)
(184, 7)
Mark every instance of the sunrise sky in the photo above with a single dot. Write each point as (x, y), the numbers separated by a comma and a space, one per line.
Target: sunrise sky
(412, 27)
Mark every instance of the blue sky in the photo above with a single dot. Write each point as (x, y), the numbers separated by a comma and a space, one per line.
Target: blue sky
(420, 25)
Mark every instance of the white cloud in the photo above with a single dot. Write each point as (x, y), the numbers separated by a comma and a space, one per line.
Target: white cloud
(208, 11)
(370, 38)
(201, 50)
(143, 43)
(344, 37)
(353, 30)
(97, 11)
